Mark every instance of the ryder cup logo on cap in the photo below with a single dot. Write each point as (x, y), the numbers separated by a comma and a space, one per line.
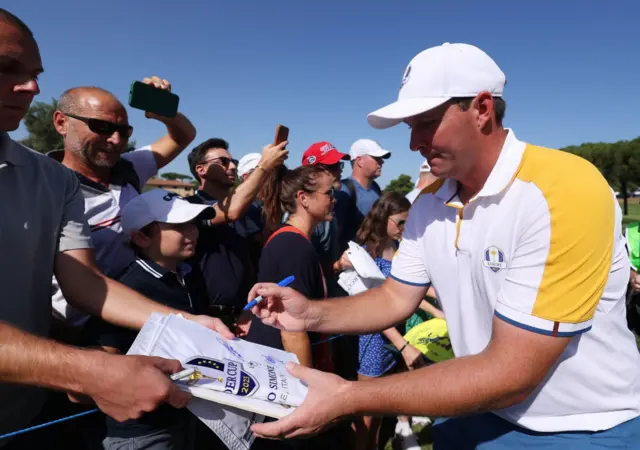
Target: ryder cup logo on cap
(159, 205)
(437, 75)
(405, 78)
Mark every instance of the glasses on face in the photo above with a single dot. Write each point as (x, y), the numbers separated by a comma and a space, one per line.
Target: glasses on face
(399, 223)
(331, 193)
(222, 160)
(104, 128)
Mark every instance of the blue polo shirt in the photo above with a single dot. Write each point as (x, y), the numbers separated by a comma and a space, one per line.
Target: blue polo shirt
(348, 220)
(178, 290)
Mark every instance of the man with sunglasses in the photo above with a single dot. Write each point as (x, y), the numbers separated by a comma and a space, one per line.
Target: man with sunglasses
(224, 253)
(96, 131)
(359, 191)
(44, 231)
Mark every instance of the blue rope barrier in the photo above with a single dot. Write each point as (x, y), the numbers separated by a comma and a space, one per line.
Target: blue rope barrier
(327, 340)
(42, 425)
(75, 416)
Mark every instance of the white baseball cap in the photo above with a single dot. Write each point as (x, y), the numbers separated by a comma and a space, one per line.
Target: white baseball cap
(435, 76)
(248, 163)
(363, 147)
(159, 205)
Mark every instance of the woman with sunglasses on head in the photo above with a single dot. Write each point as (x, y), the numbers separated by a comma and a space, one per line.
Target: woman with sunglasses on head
(380, 234)
(304, 197)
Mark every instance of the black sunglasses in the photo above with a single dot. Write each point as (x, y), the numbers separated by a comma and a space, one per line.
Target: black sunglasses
(104, 128)
(331, 193)
(224, 161)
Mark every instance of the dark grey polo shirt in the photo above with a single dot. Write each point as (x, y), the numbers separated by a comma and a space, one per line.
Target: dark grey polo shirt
(42, 214)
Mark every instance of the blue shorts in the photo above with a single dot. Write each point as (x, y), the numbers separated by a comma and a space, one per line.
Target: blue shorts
(490, 432)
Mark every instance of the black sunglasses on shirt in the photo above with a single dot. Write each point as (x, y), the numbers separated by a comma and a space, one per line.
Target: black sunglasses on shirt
(103, 127)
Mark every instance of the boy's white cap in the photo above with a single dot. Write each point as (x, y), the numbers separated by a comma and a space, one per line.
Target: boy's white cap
(159, 205)
(436, 75)
(248, 162)
(363, 147)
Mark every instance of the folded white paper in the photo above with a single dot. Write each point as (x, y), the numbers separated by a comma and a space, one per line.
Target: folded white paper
(363, 263)
(365, 274)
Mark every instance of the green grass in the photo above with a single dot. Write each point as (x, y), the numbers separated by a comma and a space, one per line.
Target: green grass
(423, 433)
(634, 211)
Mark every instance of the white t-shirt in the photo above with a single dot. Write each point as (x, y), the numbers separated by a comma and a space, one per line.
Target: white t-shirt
(540, 247)
(102, 208)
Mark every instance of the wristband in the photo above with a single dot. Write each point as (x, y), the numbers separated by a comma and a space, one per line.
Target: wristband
(403, 347)
(261, 168)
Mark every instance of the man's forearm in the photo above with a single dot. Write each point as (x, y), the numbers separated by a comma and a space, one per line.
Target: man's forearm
(32, 360)
(459, 386)
(180, 133)
(236, 204)
(371, 311)
(103, 297)
(181, 130)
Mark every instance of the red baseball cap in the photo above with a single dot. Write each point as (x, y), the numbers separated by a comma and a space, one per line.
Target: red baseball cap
(323, 153)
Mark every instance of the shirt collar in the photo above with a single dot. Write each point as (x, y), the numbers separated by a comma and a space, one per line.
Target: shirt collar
(500, 177)
(11, 152)
(158, 271)
(152, 267)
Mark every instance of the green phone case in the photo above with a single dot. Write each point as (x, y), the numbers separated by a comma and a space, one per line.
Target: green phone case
(153, 100)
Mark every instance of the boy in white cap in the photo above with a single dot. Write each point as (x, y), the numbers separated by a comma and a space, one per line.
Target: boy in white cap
(161, 228)
(524, 247)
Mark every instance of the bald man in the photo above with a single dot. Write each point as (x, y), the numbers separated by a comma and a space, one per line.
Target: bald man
(96, 131)
(43, 231)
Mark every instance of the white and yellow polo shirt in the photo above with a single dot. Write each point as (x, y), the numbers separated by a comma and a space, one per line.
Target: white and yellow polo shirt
(540, 247)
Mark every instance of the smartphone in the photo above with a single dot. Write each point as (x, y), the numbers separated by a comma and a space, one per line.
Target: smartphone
(152, 99)
(282, 134)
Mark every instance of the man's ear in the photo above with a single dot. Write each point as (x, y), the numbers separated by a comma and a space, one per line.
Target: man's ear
(61, 123)
(201, 170)
(483, 106)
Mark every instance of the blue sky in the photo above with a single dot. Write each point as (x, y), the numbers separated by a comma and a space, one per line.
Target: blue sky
(242, 67)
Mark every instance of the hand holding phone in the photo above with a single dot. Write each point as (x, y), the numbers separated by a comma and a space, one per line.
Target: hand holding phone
(153, 95)
(274, 155)
(282, 134)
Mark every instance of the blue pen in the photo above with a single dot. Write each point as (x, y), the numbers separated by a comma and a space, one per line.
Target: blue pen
(286, 282)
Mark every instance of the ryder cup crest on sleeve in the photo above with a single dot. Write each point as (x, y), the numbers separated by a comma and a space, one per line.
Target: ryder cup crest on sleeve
(435, 76)
(159, 205)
